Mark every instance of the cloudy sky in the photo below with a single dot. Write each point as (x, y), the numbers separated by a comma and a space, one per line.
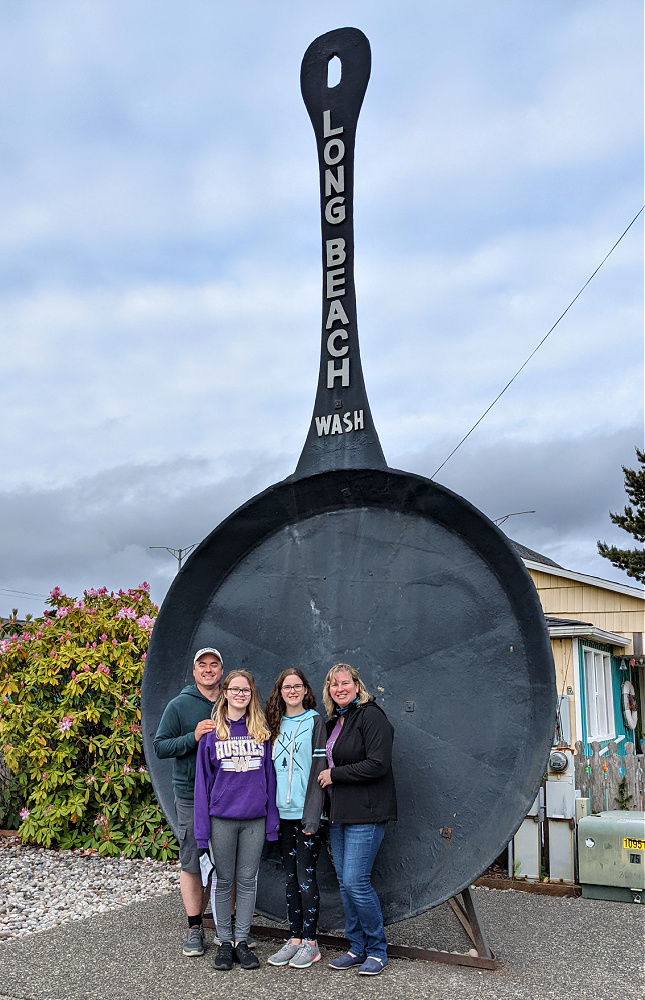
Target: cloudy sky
(160, 290)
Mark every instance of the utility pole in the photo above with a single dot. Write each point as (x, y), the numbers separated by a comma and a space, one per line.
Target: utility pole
(500, 520)
(179, 554)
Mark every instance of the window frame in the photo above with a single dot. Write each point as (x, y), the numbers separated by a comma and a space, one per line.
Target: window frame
(599, 695)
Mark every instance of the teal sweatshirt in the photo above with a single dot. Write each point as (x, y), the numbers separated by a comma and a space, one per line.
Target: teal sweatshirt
(176, 737)
(298, 758)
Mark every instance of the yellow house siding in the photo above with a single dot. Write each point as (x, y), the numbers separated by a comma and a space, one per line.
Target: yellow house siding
(614, 612)
(565, 666)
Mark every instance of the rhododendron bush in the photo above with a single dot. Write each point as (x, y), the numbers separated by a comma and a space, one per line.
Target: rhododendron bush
(70, 725)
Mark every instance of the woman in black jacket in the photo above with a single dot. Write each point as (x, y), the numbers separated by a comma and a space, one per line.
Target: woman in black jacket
(362, 799)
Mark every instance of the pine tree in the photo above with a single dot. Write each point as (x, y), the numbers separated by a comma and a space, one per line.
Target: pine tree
(632, 520)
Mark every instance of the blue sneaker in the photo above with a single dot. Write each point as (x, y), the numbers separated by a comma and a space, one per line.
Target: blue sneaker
(347, 961)
(372, 966)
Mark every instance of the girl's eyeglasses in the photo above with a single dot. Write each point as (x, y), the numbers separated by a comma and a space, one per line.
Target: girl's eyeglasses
(292, 687)
(245, 691)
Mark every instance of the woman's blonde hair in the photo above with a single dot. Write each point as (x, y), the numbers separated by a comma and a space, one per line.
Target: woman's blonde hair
(363, 694)
(255, 722)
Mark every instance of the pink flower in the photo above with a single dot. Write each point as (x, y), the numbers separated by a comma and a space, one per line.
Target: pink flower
(24, 813)
(65, 724)
(143, 656)
(73, 674)
(115, 642)
(93, 645)
(144, 586)
(56, 592)
(6, 677)
(35, 656)
(103, 637)
(126, 613)
(86, 666)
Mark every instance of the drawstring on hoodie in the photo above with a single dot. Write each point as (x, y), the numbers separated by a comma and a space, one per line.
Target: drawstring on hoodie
(291, 746)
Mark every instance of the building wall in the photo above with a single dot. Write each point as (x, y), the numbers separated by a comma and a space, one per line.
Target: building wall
(562, 598)
(566, 665)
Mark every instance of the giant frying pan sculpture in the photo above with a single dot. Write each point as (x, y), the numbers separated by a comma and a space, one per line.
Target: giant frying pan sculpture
(351, 560)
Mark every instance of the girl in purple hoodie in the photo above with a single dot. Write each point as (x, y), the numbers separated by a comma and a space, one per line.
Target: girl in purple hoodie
(235, 808)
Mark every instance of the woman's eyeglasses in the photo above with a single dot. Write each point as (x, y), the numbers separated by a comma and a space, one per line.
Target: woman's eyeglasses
(295, 688)
(245, 691)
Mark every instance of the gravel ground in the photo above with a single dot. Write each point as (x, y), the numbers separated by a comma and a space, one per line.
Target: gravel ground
(41, 889)
(550, 949)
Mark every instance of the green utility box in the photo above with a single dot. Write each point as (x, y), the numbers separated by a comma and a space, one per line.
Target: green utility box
(611, 856)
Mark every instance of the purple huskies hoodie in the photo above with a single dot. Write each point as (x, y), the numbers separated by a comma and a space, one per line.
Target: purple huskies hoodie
(234, 780)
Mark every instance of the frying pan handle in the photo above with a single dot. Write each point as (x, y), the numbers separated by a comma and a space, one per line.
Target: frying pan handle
(342, 434)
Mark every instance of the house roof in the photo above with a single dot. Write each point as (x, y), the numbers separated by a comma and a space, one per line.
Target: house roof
(570, 628)
(542, 564)
(534, 556)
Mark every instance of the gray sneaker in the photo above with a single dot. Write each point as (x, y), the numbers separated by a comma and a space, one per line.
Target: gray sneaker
(194, 942)
(286, 953)
(306, 955)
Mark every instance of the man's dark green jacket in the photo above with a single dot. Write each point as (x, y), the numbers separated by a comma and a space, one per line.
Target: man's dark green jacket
(176, 737)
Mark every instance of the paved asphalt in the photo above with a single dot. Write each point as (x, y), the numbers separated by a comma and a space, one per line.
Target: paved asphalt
(550, 949)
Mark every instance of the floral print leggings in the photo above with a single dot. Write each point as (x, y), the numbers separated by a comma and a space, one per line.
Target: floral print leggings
(300, 853)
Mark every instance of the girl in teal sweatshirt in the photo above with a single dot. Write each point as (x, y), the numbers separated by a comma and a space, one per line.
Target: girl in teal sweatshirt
(298, 735)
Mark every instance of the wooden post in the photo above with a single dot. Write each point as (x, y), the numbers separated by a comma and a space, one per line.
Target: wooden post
(631, 777)
(613, 775)
(640, 782)
(597, 783)
(580, 764)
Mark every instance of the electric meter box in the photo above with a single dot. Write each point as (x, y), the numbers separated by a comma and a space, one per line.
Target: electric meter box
(611, 856)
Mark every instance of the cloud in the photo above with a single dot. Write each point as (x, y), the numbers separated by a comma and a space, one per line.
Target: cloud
(160, 264)
(571, 483)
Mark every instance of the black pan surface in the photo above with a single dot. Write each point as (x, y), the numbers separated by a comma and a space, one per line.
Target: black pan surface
(350, 560)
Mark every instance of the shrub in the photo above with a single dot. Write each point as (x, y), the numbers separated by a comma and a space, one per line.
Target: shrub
(70, 725)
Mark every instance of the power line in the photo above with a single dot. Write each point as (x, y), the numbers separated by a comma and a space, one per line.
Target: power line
(562, 315)
(22, 593)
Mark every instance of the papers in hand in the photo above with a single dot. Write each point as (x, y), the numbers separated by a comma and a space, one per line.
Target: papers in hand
(207, 867)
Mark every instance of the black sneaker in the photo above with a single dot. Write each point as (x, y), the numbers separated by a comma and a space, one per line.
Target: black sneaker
(245, 957)
(250, 941)
(194, 942)
(223, 960)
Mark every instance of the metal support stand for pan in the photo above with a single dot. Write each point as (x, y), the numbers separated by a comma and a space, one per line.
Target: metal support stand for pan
(465, 911)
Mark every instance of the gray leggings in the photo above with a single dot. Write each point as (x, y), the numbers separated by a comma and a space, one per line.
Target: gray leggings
(237, 848)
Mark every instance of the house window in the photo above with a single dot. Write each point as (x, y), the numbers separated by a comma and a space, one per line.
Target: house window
(598, 695)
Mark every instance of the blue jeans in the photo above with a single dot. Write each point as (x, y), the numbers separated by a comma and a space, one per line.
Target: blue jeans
(354, 848)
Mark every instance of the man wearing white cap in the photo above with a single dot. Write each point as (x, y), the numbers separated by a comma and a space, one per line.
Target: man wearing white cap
(186, 719)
